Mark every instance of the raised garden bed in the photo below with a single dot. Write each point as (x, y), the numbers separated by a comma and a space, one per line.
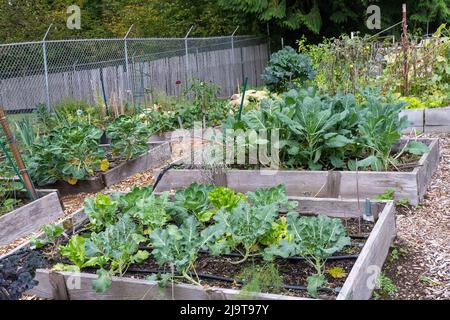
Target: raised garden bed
(155, 157)
(410, 184)
(77, 286)
(428, 120)
(30, 217)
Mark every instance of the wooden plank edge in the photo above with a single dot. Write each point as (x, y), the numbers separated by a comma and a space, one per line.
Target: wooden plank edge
(51, 287)
(371, 259)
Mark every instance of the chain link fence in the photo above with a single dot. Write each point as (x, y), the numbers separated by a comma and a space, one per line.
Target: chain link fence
(123, 71)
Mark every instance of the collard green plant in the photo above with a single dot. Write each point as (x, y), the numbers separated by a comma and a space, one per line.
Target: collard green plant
(129, 136)
(321, 132)
(69, 153)
(315, 239)
(287, 68)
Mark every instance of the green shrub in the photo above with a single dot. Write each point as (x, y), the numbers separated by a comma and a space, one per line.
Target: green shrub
(287, 68)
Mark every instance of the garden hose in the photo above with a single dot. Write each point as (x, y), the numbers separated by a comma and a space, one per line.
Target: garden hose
(161, 174)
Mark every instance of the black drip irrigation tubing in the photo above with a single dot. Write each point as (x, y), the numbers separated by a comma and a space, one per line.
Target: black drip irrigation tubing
(226, 279)
(295, 258)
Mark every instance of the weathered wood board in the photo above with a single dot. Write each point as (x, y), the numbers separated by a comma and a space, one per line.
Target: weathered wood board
(30, 217)
(77, 286)
(157, 155)
(344, 184)
(362, 278)
(154, 158)
(431, 120)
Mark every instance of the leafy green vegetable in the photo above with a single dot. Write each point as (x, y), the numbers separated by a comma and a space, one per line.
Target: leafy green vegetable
(75, 251)
(178, 246)
(242, 226)
(51, 234)
(129, 136)
(192, 200)
(226, 198)
(101, 211)
(417, 147)
(277, 233)
(117, 245)
(70, 153)
(315, 239)
(150, 210)
(274, 195)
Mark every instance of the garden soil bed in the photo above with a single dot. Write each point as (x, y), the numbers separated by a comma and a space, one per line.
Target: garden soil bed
(326, 184)
(56, 285)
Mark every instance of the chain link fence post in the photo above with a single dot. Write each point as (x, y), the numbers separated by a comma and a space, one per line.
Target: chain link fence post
(127, 67)
(44, 53)
(186, 48)
(233, 56)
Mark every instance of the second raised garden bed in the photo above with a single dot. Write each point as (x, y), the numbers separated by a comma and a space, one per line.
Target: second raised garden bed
(30, 217)
(356, 285)
(411, 184)
(158, 155)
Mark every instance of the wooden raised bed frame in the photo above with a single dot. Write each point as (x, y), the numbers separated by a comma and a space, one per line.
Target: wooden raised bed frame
(72, 286)
(158, 154)
(324, 184)
(30, 217)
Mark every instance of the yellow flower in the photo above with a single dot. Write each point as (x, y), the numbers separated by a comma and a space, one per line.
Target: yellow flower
(104, 165)
(72, 180)
(351, 66)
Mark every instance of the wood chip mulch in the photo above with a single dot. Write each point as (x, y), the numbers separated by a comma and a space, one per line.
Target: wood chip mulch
(419, 262)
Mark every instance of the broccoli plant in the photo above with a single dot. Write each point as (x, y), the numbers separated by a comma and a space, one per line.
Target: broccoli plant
(178, 247)
(118, 246)
(315, 239)
(285, 68)
(240, 228)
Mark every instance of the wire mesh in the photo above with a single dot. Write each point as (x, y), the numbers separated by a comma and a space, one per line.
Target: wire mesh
(122, 71)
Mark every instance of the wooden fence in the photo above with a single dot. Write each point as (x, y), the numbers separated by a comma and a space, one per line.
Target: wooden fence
(225, 67)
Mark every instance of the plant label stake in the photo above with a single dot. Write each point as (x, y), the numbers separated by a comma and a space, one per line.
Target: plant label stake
(242, 100)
